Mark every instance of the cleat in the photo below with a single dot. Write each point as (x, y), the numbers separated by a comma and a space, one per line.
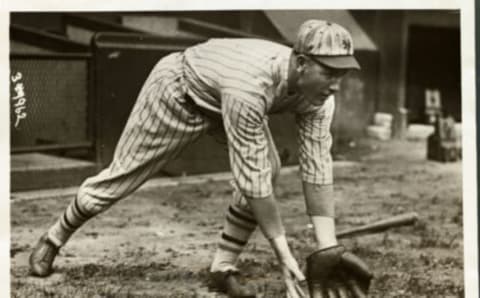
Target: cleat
(42, 257)
(229, 283)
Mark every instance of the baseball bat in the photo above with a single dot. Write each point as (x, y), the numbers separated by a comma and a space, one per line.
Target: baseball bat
(381, 225)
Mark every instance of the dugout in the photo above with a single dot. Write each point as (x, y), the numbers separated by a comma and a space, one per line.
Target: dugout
(116, 63)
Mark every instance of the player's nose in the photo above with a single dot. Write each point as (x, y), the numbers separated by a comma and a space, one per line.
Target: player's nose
(335, 85)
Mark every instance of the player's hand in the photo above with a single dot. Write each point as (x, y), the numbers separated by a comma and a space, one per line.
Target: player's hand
(335, 272)
(292, 275)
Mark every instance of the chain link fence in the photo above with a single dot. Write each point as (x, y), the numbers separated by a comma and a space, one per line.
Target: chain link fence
(50, 100)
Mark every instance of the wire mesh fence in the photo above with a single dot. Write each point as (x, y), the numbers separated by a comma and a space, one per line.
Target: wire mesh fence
(50, 102)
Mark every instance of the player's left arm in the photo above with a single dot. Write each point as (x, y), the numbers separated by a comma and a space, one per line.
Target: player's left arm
(315, 142)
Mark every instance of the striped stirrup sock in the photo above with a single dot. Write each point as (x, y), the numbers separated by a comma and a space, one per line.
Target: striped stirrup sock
(68, 223)
(239, 226)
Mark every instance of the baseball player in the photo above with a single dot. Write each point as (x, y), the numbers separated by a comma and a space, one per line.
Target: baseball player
(232, 85)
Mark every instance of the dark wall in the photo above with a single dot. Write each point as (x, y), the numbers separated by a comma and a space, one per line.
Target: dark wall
(51, 22)
(387, 29)
(433, 63)
(21, 47)
(56, 92)
(120, 70)
(356, 100)
(392, 49)
(54, 21)
(251, 21)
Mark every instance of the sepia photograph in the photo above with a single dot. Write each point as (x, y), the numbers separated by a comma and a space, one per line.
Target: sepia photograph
(237, 153)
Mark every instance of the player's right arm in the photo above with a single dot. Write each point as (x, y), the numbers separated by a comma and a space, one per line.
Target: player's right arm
(315, 141)
(248, 153)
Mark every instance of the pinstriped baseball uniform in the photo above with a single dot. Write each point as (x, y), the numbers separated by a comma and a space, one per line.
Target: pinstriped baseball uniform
(243, 80)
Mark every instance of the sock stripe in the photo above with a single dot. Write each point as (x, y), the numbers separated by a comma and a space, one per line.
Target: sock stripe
(234, 240)
(241, 216)
(72, 216)
(228, 248)
(240, 224)
(238, 228)
(67, 223)
(78, 210)
(76, 213)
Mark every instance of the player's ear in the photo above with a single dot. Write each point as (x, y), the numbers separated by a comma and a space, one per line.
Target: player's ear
(301, 62)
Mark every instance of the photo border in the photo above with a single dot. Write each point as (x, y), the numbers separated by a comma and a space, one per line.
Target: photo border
(469, 163)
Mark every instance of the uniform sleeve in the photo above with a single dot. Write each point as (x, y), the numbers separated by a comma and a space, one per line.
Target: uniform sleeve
(315, 142)
(247, 145)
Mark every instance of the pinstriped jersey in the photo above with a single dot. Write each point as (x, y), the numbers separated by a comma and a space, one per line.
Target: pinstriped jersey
(245, 80)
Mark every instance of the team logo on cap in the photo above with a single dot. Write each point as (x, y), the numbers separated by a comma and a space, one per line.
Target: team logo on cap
(347, 44)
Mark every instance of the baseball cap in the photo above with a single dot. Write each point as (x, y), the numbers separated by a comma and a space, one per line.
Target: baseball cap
(328, 42)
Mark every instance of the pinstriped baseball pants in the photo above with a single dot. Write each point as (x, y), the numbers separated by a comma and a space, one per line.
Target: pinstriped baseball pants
(160, 125)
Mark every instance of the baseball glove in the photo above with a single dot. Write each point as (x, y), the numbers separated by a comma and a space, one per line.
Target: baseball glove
(334, 272)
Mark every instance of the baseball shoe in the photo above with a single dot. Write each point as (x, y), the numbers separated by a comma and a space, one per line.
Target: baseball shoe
(228, 282)
(42, 257)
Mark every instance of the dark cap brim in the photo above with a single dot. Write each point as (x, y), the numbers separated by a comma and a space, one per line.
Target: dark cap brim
(341, 62)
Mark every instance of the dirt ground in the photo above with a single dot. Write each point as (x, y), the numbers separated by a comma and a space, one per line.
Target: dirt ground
(159, 242)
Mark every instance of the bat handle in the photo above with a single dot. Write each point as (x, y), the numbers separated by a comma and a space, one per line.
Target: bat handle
(380, 226)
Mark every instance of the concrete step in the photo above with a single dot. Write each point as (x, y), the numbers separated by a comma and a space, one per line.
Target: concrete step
(33, 171)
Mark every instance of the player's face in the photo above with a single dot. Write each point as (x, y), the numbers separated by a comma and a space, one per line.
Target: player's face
(317, 81)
